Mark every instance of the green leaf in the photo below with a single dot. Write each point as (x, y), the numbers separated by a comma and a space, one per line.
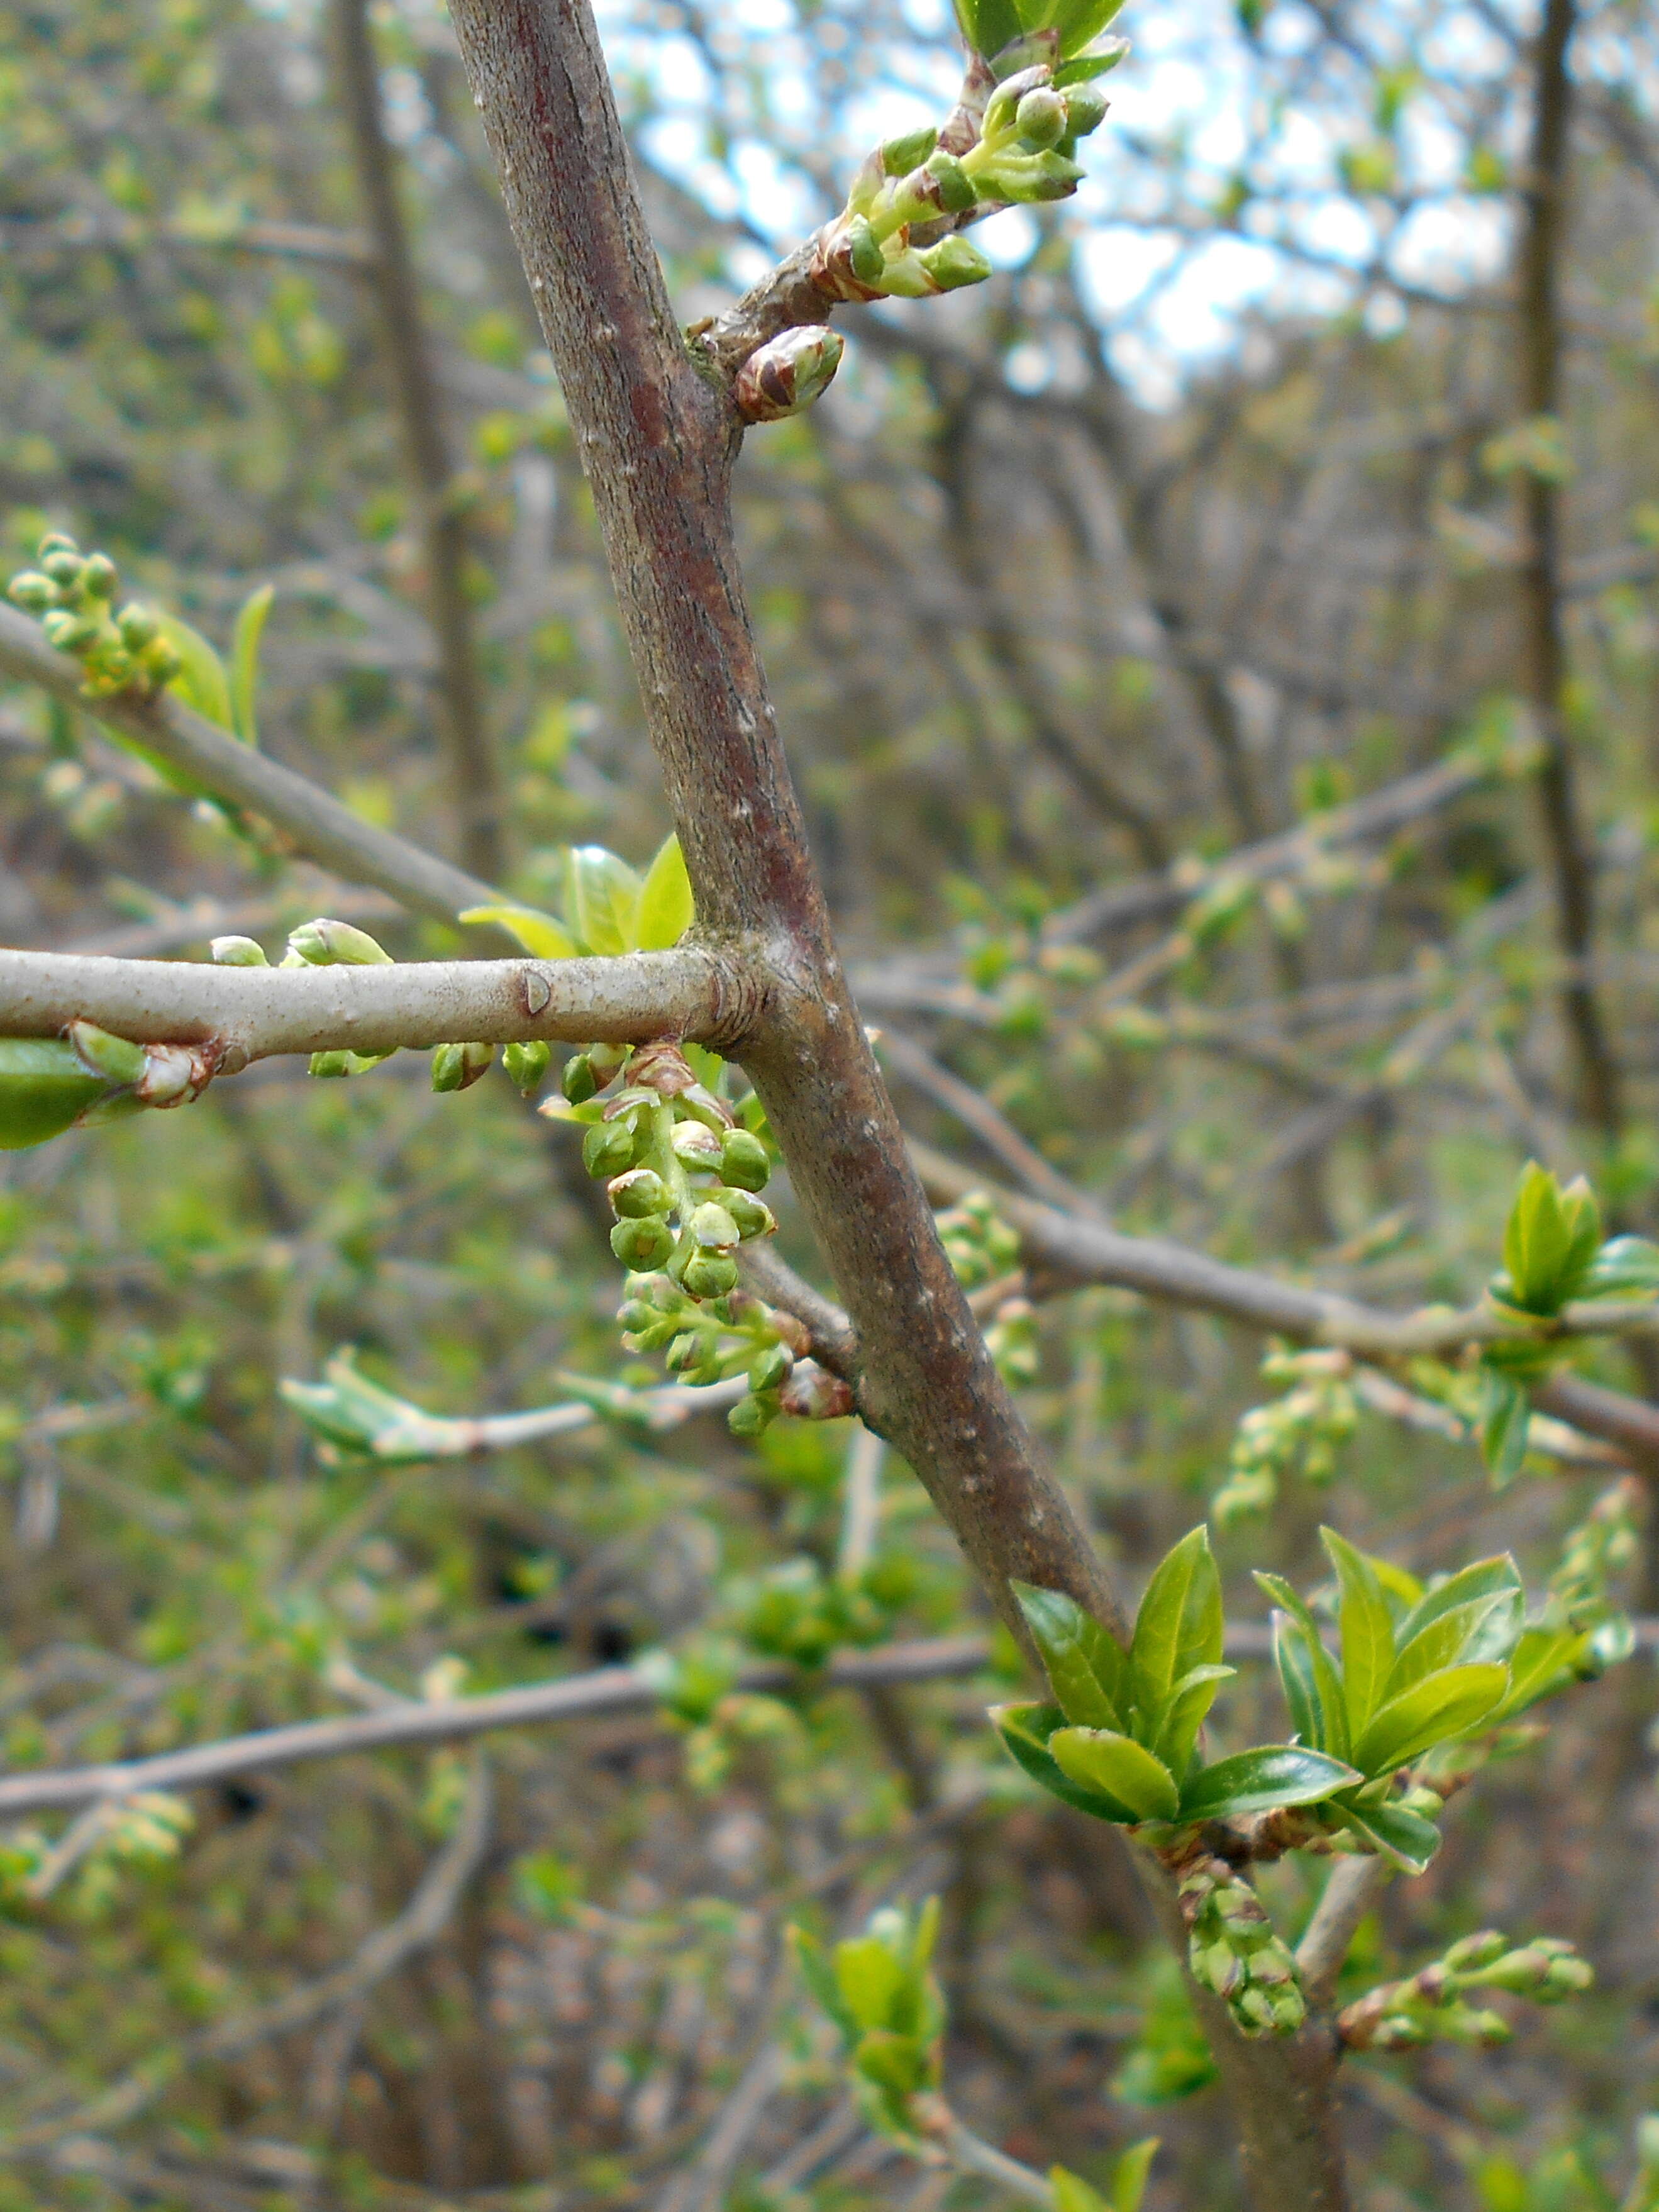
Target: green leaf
(1307, 1673)
(1396, 1833)
(988, 26)
(870, 1978)
(201, 682)
(1077, 22)
(1025, 1731)
(605, 898)
(1117, 1766)
(541, 936)
(1088, 1668)
(1179, 1627)
(1505, 1423)
(666, 909)
(1073, 2193)
(1550, 1239)
(245, 662)
(819, 1977)
(1189, 1701)
(1444, 1706)
(45, 1085)
(1628, 1267)
(1131, 2173)
(1367, 1629)
(1260, 1780)
(1544, 1661)
(1095, 62)
(1473, 1615)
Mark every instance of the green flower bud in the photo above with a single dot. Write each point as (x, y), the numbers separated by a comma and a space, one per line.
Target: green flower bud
(67, 632)
(1398, 2032)
(753, 1415)
(770, 1368)
(643, 1243)
(1468, 2024)
(1477, 1950)
(578, 1082)
(655, 1291)
(31, 591)
(99, 576)
(1085, 110)
(238, 952)
(900, 155)
(685, 1350)
(813, 1394)
(527, 1064)
(609, 1147)
(863, 250)
(786, 376)
(138, 625)
(745, 1162)
(56, 541)
(162, 662)
(45, 1087)
(713, 1228)
(63, 567)
(1041, 119)
(1004, 104)
(117, 1060)
(695, 1144)
(1565, 1977)
(641, 1191)
(325, 944)
(953, 189)
(753, 1216)
(709, 1274)
(1030, 179)
(329, 1064)
(458, 1067)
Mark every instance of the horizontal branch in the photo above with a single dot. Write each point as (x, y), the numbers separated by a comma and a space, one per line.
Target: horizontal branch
(318, 824)
(253, 1012)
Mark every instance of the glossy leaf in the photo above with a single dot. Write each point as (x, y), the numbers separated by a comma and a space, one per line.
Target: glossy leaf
(1544, 1661)
(1178, 1627)
(666, 909)
(202, 682)
(1086, 1667)
(244, 674)
(1307, 1673)
(1025, 1731)
(1094, 61)
(1117, 1766)
(1550, 1239)
(605, 898)
(541, 936)
(1189, 1701)
(1260, 1780)
(1402, 1837)
(988, 26)
(1367, 1629)
(1433, 1711)
(1473, 1615)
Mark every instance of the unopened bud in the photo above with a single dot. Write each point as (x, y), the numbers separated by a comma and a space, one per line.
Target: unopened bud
(116, 1059)
(713, 1228)
(862, 250)
(956, 262)
(162, 662)
(753, 1216)
(138, 625)
(578, 1081)
(99, 576)
(173, 1075)
(745, 1162)
(813, 1394)
(329, 1064)
(769, 1369)
(638, 1193)
(1467, 2024)
(31, 591)
(1085, 110)
(645, 1243)
(1398, 2032)
(900, 155)
(609, 1147)
(709, 1274)
(753, 1415)
(68, 631)
(1477, 1950)
(696, 1144)
(527, 1064)
(786, 375)
(1004, 104)
(238, 952)
(950, 187)
(325, 944)
(63, 565)
(458, 1067)
(1040, 117)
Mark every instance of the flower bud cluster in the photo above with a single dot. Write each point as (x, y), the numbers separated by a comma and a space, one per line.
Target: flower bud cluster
(794, 1611)
(982, 1249)
(880, 1990)
(1431, 2005)
(1233, 1951)
(73, 595)
(1302, 1430)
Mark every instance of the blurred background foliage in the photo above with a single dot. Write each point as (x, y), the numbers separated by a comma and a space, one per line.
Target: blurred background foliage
(1206, 516)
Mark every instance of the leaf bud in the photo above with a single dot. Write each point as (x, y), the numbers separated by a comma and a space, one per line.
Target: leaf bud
(753, 1216)
(31, 591)
(458, 1067)
(99, 576)
(1469, 2024)
(954, 262)
(709, 1274)
(642, 1243)
(325, 944)
(63, 565)
(696, 1144)
(900, 155)
(1085, 110)
(786, 376)
(685, 1350)
(1565, 1977)
(1398, 2032)
(172, 1075)
(578, 1081)
(813, 1394)
(1477, 1950)
(712, 1229)
(162, 662)
(640, 1192)
(528, 1063)
(753, 1415)
(607, 1147)
(769, 1369)
(238, 952)
(138, 625)
(116, 1059)
(1042, 118)
(67, 631)
(745, 1163)
(329, 1064)
(863, 251)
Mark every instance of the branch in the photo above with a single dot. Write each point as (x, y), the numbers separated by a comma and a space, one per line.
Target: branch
(439, 511)
(317, 824)
(250, 1013)
(1354, 1886)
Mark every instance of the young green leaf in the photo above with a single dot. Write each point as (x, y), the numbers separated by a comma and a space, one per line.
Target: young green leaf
(1473, 1615)
(1367, 1628)
(541, 936)
(1625, 1267)
(1025, 1731)
(1179, 1627)
(45, 1085)
(1396, 1833)
(1435, 1710)
(1189, 1701)
(1131, 2173)
(870, 1978)
(819, 1977)
(1549, 1241)
(1544, 1661)
(1117, 1766)
(1094, 62)
(201, 682)
(666, 909)
(988, 26)
(1505, 1422)
(1073, 2194)
(605, 898)
(1259, 1781)
(1087, 1668)
(244, 678)
(1307, 1673)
